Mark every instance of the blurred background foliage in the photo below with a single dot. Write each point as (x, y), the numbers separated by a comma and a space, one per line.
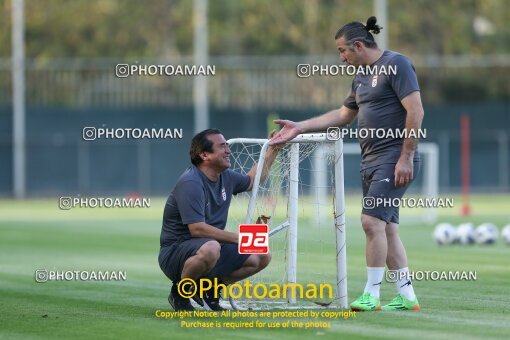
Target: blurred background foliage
(160, 28)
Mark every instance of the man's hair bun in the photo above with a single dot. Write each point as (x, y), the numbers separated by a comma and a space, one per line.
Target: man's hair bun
(372, 26)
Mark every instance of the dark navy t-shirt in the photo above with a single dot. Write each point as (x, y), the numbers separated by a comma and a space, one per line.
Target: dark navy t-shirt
(378, 101)
(196, 198)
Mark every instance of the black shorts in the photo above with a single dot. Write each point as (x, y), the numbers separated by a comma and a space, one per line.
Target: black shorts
(171, 259)
(378, 183)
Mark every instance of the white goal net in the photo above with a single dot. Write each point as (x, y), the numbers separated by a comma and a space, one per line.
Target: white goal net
(302, 199)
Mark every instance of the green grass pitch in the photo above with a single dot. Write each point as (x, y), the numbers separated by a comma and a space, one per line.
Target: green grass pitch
(35, 235)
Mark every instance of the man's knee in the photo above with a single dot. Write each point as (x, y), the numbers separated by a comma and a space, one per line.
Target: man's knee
(259, 261)
(264, 260)
(372, 225)
(209, 253)
(391, 230)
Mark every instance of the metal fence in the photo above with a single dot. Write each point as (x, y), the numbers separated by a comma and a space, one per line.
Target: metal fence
(242, 82)
(63, 96)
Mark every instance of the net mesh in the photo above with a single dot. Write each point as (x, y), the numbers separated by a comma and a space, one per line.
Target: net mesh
(316, 253)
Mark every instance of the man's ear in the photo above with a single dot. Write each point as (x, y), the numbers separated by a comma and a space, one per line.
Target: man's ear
(358, 45)
(204, 156)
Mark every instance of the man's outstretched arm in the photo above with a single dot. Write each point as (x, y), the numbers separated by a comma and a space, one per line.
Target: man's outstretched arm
(271, 154)
(290, 129)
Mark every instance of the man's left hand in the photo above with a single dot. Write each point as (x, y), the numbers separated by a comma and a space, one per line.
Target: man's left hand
(403, 172)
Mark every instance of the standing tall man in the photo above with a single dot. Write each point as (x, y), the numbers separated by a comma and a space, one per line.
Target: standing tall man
(388, 166)
(193, 241)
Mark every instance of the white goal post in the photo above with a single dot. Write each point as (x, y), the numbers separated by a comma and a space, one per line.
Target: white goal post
(293, 181)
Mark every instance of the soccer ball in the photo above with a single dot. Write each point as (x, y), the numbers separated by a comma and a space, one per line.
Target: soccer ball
(486, 233)
(444, 233)
(465, 233)
(505, 233)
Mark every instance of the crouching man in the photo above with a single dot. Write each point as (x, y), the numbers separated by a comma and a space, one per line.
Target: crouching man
(193, 241)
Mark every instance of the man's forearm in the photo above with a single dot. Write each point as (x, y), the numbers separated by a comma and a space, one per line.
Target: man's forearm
(271, 154)
(333, 118)
(268, 162)
(203, 229)
(409, 148)
(413, 125)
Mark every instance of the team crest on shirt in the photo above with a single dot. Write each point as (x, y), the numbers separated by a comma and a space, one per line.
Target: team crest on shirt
(374, 81)
(224, 194)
